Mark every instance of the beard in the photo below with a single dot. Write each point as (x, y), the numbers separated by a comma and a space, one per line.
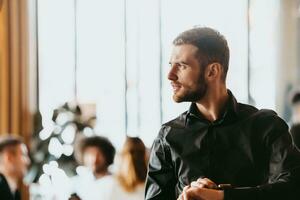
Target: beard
(193, 94)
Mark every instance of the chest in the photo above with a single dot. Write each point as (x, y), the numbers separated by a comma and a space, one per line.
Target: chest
(230, 154)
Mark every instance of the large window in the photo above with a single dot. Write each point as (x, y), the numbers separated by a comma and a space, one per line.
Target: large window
(120, 50)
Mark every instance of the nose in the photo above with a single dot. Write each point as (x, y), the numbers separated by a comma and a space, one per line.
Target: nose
(172, 75)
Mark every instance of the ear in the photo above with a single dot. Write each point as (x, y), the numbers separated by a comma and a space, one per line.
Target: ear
(213, 71)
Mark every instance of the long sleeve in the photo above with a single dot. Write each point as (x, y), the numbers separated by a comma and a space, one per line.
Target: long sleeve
(284, 170)
(160, 183)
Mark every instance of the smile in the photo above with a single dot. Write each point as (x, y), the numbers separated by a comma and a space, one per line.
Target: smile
(175, 87)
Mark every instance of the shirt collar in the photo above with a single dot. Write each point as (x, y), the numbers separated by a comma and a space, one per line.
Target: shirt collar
(231, 110)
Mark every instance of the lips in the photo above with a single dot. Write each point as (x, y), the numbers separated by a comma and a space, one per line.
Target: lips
(175, 86)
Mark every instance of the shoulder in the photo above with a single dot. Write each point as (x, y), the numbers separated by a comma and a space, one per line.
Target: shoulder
(5, 192)
(264, 122)
(245, 110)
(269, 118)
(119, 193)
(3, 183)
(266, 116)
(177, 123)
(2, 179)
(4, 188)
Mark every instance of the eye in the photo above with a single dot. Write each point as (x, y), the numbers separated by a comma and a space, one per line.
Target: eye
(182, 66)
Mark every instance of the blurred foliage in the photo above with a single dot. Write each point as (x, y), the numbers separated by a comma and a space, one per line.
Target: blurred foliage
(64, 116)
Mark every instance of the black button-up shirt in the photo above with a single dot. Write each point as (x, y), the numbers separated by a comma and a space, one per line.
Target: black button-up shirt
(248, 148)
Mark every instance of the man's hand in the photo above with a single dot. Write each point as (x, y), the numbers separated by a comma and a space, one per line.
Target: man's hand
(204, 183)
(202, 189)
(198, 193)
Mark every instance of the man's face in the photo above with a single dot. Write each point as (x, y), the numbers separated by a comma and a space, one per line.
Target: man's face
(18, 161)
(94, 159)
(186, 76)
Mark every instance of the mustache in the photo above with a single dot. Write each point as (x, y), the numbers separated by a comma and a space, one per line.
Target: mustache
(175, 83)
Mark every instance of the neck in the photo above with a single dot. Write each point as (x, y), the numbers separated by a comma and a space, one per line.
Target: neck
(11, 180)
(213, 104)
(101, 174)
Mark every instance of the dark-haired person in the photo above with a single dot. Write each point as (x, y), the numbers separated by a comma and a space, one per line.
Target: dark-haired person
(14, 162)
(96, 154)
(218, 149)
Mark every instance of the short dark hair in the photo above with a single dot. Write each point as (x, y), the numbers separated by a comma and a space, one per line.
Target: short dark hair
(102, 143)
(9, 141)
(295, 98)
(212, 46)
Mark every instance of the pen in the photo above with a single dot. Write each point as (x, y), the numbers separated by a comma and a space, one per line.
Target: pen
(223, 186)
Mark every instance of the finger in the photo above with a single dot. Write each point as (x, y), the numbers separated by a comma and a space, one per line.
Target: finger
(207, 182)
(197, 184)
(185, 195)
(180, 197)
(186, 187)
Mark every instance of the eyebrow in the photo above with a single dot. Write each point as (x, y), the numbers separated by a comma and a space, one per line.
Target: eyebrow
(184, 63)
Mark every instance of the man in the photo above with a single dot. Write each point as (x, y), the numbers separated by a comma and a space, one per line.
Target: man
(218, 149)
(295, 122)
(96, 154)
(14, 162)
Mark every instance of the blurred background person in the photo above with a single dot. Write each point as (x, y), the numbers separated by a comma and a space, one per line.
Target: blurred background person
(94, 181)
(131, 172)
(295, 122)
(14, 162)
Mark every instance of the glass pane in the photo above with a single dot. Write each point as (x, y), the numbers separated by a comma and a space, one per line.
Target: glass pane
(143, 68)
(100, 38)
(264, 52)
(56, 55)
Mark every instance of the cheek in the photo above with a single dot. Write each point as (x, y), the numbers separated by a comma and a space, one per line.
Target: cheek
(88, 160)
(191, 82)
(18, 165)
(100, 160)
(190, 78)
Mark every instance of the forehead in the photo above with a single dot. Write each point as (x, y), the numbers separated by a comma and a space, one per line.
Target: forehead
(17, 150)
(91, 149)
(184, 52)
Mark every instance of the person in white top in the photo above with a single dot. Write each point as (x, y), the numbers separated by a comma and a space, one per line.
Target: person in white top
(131, 174)
(94, 181)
